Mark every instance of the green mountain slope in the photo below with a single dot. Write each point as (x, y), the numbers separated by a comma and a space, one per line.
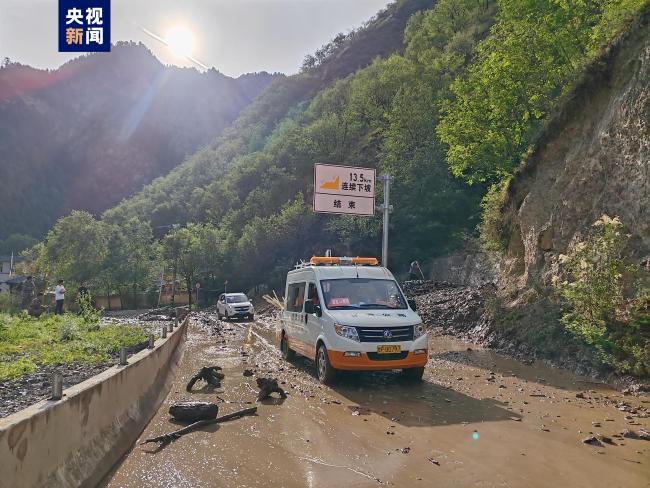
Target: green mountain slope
(255, 183)
(169, 199)
(97, 129)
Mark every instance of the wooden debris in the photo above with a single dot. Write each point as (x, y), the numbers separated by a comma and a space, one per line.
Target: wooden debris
(274, 301)
(167, 438)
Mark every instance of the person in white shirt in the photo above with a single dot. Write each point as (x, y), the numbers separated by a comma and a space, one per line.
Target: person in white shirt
(59, 296)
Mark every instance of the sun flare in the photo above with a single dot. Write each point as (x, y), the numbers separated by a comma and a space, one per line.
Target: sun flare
(180, 41)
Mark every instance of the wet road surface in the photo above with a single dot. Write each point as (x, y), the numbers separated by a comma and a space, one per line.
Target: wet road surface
(477, 419)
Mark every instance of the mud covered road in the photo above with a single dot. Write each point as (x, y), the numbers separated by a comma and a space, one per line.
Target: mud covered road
(477, 419)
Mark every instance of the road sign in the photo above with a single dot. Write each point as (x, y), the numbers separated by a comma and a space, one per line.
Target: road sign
(344, 190)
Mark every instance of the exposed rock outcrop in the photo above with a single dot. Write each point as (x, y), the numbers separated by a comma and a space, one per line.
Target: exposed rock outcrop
(593, 159)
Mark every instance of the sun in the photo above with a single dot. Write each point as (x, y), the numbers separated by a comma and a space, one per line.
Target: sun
(180, 41)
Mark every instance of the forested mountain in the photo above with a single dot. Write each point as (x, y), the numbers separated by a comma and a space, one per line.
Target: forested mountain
(97, 129)
(173, 198)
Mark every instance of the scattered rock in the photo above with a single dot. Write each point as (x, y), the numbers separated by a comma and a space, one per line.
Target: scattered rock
(433, 461)
(605, 439)
(629, 434)
(592, 441)
(248, 372)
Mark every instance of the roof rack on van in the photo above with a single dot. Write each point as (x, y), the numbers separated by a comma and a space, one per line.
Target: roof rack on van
(342, 261)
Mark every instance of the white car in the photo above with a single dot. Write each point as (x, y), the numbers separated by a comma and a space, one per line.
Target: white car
(235, 306)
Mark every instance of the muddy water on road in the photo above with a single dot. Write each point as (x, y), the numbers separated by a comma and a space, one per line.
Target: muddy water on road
(477, 420)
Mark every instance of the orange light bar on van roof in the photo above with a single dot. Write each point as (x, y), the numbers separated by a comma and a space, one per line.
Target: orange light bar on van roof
(319, 260)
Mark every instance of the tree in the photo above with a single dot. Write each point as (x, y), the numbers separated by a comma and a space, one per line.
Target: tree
(533, 55)
(131, 259)
(77, 246)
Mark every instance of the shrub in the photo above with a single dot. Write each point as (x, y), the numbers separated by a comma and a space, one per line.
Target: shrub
(90, 315)
(69, 329)
(599, 312)
(494, 233)
(8, 303)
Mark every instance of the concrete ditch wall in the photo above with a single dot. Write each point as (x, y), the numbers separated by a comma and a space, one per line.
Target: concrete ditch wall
(75, 442)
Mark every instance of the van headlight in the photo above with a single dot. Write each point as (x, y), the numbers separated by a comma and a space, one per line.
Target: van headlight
(347, 332)
(419, 330)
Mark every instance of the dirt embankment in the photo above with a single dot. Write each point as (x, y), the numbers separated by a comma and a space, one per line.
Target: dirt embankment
(474, 313)
(592, 159)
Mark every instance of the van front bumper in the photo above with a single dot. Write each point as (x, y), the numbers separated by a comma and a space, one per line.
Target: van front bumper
(377, 362)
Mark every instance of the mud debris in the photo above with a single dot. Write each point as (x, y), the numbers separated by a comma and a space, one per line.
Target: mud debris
(210, 374)
(268, 386)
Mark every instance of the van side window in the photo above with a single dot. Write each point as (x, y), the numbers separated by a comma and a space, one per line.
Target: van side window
(295, 298)
(312, 294)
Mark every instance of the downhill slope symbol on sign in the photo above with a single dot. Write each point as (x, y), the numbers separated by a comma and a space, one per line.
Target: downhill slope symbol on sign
(332, 184)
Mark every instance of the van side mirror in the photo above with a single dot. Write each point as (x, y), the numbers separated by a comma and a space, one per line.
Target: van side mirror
(318, 311)
(412, 304)
(309, 307)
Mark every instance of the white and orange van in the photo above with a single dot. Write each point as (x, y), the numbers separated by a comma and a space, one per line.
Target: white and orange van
(351, 314)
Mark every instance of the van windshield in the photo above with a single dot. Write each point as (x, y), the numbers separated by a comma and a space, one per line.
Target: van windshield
(361, 293)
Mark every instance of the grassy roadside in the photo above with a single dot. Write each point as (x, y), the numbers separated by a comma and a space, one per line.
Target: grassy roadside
(26, 343)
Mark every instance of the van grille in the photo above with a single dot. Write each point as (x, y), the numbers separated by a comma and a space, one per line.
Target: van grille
(376, 334)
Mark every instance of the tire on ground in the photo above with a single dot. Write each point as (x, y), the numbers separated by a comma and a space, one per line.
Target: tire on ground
(324, 370)
(287, 353)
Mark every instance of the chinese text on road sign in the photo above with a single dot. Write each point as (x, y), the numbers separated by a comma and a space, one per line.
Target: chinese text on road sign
(84, 25)
(344, 190)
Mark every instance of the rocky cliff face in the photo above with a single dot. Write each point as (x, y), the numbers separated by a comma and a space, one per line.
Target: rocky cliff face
(594, 159)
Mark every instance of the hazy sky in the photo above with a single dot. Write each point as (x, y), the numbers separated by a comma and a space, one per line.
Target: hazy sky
(234, 36)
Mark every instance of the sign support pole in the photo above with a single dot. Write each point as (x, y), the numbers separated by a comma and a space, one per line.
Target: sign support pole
(386, 208)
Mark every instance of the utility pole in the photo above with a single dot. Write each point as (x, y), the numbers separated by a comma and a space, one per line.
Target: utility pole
(386, 208)
(173, 303)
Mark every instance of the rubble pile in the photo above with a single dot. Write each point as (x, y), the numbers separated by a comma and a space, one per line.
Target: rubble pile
(208, 322)
(457, 309)
(414, 288)
(162, 314)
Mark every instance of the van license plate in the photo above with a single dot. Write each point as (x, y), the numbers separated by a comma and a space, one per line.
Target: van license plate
(389, 349)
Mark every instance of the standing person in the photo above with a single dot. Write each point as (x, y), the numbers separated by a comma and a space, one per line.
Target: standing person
(27, 292)
(413, 271)
(59, 296)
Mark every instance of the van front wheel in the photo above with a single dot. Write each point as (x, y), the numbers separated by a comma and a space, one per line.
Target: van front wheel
(326, 373)
(287, 353)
